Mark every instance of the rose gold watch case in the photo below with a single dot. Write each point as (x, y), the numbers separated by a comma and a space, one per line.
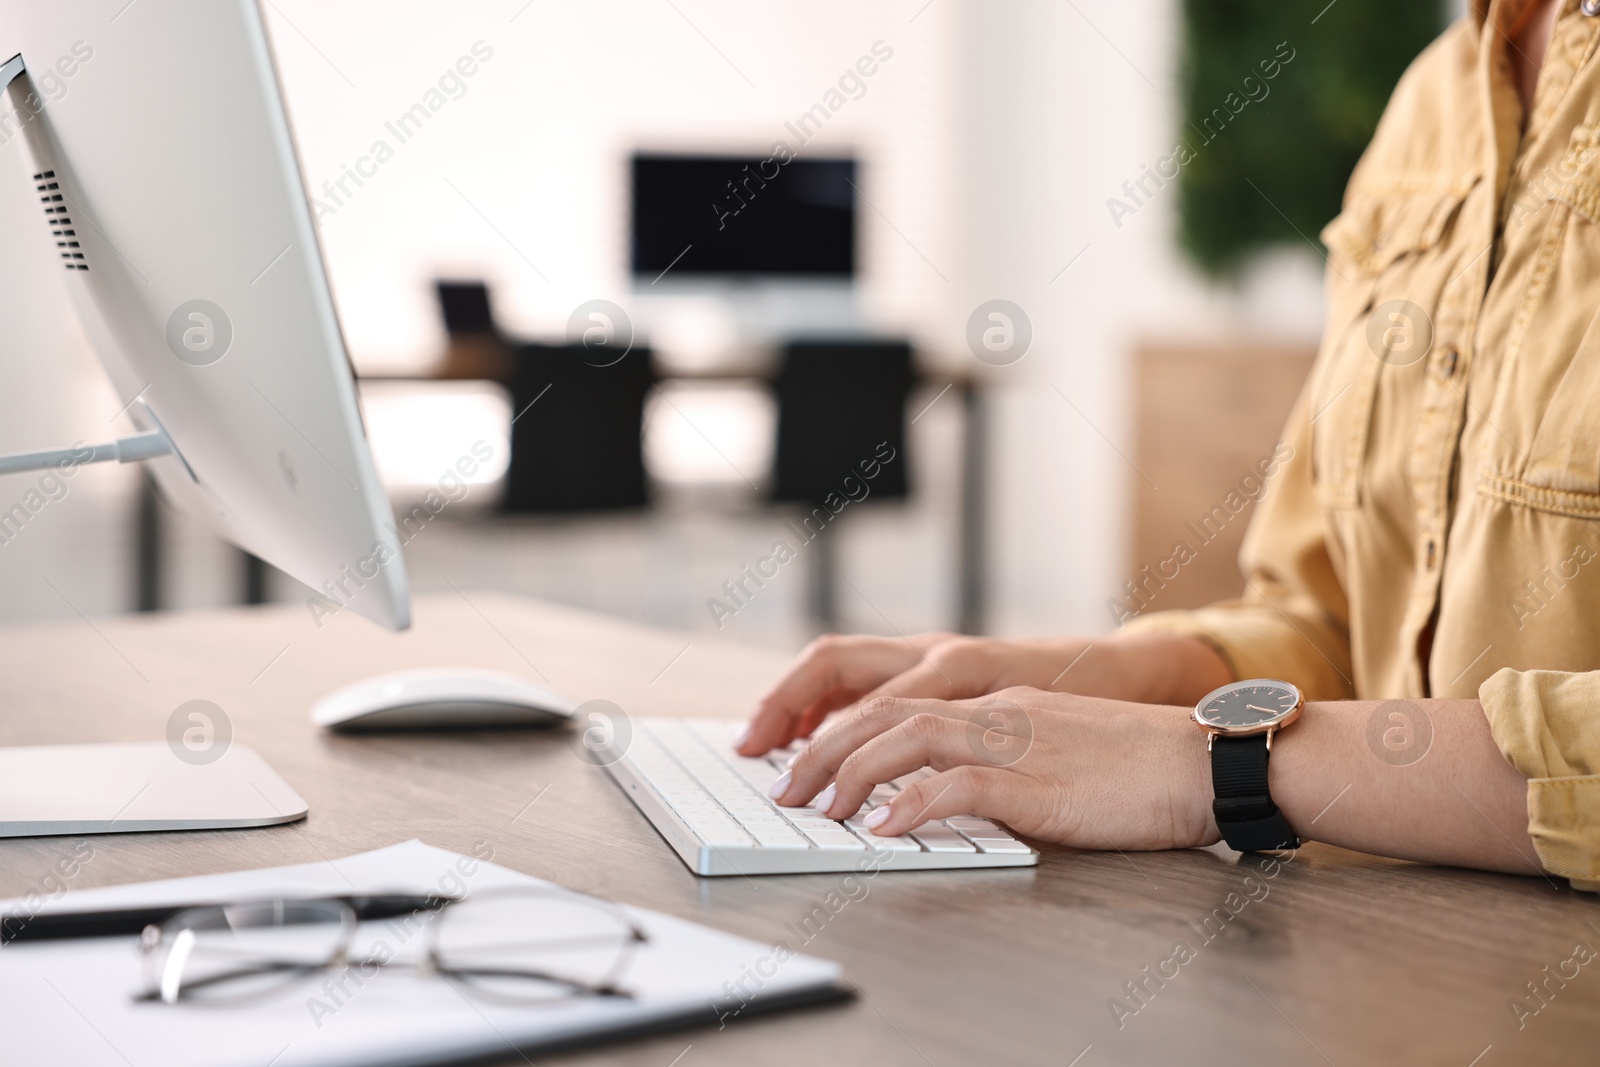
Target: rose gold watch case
(1270, 728)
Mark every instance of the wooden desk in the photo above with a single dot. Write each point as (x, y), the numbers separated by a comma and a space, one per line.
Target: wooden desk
(1346, 959)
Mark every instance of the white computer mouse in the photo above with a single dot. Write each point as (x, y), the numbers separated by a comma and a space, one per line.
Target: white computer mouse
(441, 698)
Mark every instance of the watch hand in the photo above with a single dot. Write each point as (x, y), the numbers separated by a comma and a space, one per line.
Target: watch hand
(1269, 711)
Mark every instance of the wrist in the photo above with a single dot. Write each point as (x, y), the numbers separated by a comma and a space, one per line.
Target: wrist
(1187, 775)
(1156, 667)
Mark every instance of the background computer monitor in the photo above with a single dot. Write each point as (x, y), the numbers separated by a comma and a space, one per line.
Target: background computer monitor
(738, 216)
(167, 181)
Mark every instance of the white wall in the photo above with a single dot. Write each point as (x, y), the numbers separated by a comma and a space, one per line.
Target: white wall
(538, 145)
(1062, 104)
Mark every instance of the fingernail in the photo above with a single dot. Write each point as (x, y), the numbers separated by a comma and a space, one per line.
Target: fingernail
(877, 817)
(824, 799)
(781, 786)
(742, 736)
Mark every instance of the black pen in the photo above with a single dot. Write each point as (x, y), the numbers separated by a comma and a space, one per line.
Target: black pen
(115, 922)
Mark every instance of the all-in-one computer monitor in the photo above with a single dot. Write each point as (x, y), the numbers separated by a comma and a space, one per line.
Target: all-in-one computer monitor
(154, 142)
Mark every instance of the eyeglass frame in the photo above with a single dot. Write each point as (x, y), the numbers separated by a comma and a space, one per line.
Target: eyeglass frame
(431, 964)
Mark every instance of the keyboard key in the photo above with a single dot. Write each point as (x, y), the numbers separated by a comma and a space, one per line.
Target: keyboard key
(872, 840)
(759, 773)
(723, 833)
(716, 733)
(690, 809)
(1001, 845)
(836, 838)
(894, 844)
(778, 839)
(938, 838)
(753, 813)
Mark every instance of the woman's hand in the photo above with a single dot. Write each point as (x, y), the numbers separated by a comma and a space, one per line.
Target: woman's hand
(1080, 771)
(1095, 773)
(835, 672)
(832, 672)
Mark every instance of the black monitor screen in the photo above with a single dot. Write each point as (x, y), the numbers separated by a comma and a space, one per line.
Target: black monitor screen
(737, 215)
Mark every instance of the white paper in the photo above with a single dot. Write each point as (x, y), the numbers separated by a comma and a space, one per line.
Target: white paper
(70, 1003)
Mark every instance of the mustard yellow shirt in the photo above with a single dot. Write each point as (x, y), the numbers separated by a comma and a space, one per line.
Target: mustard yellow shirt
(1437, 531)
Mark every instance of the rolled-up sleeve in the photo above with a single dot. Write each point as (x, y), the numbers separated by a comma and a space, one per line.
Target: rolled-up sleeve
(1545, 725)
(1292, 622)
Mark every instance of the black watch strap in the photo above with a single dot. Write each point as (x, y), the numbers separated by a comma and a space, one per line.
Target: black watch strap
(1246, 816)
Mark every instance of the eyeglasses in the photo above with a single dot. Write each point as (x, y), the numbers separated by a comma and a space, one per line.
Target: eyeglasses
(520, 946)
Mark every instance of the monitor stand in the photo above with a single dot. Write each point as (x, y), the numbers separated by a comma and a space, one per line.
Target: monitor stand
(134, 788)
(131, 788)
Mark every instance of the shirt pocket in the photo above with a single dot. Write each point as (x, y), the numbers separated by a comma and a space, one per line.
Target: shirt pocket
(1387, 271)
(1546, 408)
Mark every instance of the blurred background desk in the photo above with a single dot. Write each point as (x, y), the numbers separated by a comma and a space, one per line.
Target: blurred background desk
(1346, 960)
(616, 438)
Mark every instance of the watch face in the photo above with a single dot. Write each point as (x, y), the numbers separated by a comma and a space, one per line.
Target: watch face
(1249, 707)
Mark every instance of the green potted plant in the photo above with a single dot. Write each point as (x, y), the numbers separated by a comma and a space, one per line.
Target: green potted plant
(1269, 155)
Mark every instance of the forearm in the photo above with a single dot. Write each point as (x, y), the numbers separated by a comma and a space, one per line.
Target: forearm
(1419, 780)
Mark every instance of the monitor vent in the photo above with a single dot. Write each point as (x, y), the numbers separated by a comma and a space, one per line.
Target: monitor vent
(55, 213)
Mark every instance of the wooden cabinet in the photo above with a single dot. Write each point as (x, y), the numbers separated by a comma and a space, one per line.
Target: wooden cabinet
(1206, 419)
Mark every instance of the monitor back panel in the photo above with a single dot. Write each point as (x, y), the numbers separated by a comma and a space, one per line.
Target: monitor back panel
(160, 156)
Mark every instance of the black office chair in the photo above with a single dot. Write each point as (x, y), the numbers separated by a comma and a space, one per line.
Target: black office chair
(576, 439)
(838, 403)
(475, 349)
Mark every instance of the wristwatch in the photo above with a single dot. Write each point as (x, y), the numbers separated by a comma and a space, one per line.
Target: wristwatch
(1240, 721)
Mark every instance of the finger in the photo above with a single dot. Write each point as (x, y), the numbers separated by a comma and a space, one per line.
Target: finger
(814, 718)
(954, 670)
(989, 792)
(923, 740)
(816, 766)
(841, 667)
(818, 713)
(925, 679)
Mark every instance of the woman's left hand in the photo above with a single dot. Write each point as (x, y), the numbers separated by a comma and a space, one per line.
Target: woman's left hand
(1079, 771)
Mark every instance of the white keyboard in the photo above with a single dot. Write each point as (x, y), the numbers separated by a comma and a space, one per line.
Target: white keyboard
(711, 805)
